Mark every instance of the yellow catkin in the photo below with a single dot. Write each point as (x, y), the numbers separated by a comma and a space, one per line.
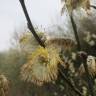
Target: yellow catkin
(42, 66)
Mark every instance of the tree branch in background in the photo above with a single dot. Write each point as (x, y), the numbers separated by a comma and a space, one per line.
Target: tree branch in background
(30, 26)
(70, 84)
(89, 80)
(75, 32)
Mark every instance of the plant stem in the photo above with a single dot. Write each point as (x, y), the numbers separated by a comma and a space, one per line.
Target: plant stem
(30, 26)
(89, 80)
(75, 32)
(70, 84)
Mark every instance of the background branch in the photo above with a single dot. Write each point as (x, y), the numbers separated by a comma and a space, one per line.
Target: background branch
(70, 84)
(89, 80)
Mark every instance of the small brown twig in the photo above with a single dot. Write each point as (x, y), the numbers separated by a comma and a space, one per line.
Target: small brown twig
(70, 84)
(93, 6)
(30, 26)
(83, 59)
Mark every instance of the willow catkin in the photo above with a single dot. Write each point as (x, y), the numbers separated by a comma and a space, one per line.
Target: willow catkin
(74, 4)
(4, 86)
(42, 66)
(91, 63)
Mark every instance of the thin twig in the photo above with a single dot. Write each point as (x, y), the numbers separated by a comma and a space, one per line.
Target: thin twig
(75, 32)
(30, 26)
(89, 80)
(70, 84)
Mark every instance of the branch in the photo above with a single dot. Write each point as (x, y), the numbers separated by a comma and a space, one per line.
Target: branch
(30, 26)
(83, 59)
(93, 6)
(70, 84)
(88, 77)
(75, 32)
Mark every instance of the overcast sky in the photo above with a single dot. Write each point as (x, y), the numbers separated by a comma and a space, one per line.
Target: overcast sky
(42, 12)
(12, 18)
